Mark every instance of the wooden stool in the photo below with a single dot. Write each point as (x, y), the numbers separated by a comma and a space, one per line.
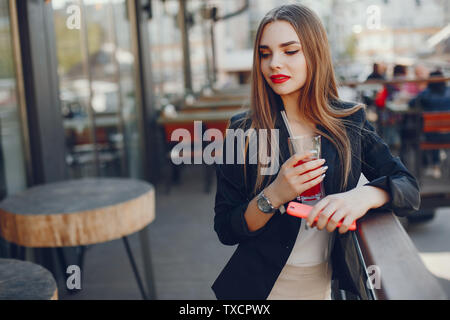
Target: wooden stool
(81, 212)
(22, 280)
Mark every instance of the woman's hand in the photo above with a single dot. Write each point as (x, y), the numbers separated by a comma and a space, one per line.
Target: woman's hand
(347, 206)
(292, 180)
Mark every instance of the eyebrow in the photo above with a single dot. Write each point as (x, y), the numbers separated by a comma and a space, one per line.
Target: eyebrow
(285, 44)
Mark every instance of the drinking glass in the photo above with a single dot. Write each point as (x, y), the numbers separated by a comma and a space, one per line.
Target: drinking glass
(303, 145)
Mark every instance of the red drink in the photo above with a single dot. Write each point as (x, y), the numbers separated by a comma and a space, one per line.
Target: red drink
(314, 193)
(304, 145)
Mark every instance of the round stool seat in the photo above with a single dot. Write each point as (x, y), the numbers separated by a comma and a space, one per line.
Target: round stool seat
(77, 212)
(23, 280)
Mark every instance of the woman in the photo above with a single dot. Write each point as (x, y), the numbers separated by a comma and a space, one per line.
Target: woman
(292, 71)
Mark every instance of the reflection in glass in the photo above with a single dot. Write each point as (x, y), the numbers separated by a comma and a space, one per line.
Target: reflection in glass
(74, 93)
(97, 90)
(167, 52)
(129, 112)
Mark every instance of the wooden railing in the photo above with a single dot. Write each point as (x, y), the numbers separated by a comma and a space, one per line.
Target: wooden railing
(382, 242)
(383, 245)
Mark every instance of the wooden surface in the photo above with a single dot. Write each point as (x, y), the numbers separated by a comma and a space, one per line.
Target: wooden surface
(77, 212)
(23, 280)
(203, 106)
(200, 116)
(224, 97)
(208, 108)
(384, 243)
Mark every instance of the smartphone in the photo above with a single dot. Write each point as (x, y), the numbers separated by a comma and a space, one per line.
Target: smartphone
(301, 210)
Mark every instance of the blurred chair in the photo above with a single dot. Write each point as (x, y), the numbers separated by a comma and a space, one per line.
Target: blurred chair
(436, 129)
(171, 156)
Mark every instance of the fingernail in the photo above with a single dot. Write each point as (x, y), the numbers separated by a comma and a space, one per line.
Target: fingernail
(322, 176)
(325, 168)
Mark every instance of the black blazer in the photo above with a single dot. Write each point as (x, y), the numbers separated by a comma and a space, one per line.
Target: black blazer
(255, 265)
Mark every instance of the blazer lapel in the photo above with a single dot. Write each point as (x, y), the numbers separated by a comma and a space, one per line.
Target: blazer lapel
(329, 153)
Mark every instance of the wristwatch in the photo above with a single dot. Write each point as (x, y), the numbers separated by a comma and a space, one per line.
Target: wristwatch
(265, 205)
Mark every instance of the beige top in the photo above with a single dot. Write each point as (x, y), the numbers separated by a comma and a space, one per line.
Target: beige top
(303, 283)
(312, 246)
(308, 270)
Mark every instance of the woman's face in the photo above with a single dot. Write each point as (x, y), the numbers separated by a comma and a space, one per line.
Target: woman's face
(283, 63)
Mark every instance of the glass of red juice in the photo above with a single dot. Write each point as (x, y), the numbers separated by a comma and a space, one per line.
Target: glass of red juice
(303, 145)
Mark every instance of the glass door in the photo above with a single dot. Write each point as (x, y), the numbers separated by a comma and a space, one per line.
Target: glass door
(97, 88)
(13, 169)
(13, 175)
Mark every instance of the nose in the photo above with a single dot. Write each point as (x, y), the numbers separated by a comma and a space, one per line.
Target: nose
(276, 61)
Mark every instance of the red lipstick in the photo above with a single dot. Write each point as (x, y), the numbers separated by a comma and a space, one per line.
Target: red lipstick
(279, 78)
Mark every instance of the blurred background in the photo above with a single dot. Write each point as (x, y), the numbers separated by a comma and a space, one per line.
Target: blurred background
(95, 88)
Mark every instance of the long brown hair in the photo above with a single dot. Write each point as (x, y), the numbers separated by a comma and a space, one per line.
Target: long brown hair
(317, 93)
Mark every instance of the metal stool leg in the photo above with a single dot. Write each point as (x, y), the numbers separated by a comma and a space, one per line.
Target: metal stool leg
(133, 265)
(147, 261)
(21, 255)
(62, 260)
(13, 251)
(63, 266)
(81, 250)
(45, 257)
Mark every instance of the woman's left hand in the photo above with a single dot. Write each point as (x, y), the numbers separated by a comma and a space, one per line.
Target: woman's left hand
(347, 206)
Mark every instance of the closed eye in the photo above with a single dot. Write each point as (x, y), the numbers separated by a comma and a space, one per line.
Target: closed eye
(265, 55)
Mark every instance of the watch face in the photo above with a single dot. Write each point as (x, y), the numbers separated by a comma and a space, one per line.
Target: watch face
(263, 205)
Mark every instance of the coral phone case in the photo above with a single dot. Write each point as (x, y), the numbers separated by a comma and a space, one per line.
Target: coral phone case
(301, 210)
